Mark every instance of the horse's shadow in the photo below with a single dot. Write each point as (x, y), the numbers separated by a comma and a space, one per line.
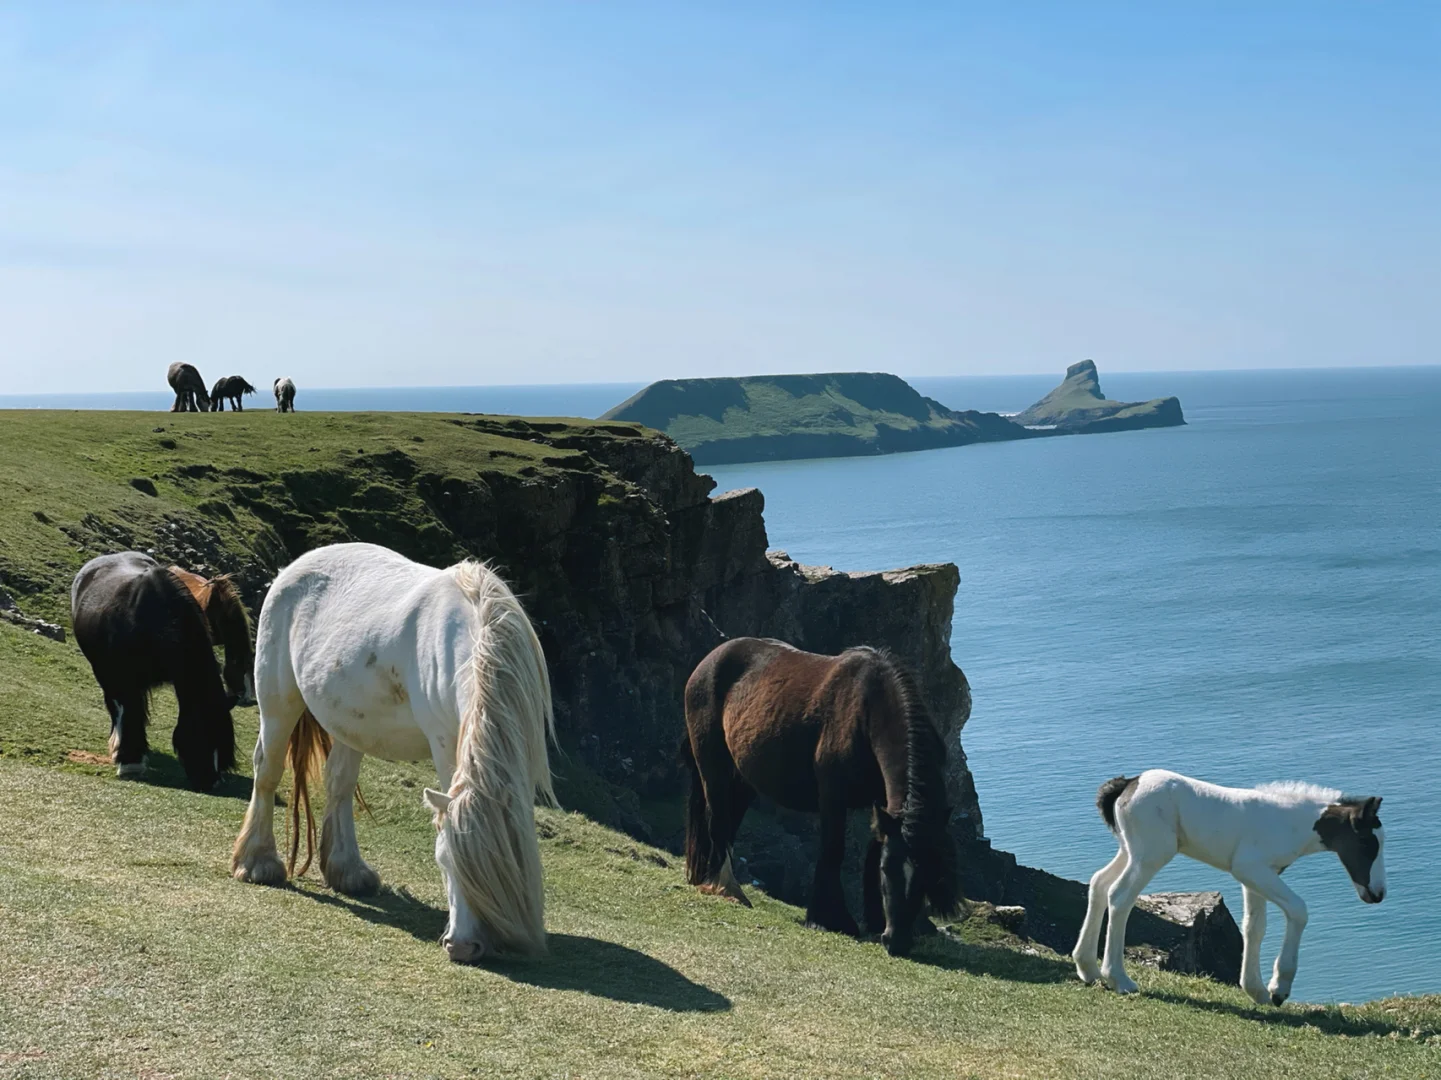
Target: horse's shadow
(164, 771)
(948, 954)
(1329, 1020)
(572, 962)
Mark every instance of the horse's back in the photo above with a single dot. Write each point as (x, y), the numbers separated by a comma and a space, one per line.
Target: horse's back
(373, 643)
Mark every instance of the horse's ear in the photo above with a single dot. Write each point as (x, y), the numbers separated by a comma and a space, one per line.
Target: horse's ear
(436, 800)
(1369, 809)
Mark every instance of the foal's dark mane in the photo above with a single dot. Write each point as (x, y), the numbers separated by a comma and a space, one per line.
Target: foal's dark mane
(926, 819)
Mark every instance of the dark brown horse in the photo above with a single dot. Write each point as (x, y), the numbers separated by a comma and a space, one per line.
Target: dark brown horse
(189, 387)
(229, 626)
(139, 627)
(823, 734)
(229, 388)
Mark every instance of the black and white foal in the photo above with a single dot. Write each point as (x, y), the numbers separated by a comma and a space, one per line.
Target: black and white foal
(1253, 833)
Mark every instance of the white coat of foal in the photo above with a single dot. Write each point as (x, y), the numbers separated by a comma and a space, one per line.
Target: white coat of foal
(1252, 833)
(406, 662)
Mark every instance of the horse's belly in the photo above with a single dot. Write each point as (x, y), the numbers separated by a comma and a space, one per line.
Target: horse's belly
(369, 712)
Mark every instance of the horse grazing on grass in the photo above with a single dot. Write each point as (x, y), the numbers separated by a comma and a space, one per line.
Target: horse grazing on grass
(284, 394)
(189, 387)
(140, 627)
(821, 734)
(229, 387)
(229, 626)
(400, 660)
(1253, 833)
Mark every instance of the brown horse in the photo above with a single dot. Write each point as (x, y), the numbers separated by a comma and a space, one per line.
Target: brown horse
(229, 626)
(823, 734)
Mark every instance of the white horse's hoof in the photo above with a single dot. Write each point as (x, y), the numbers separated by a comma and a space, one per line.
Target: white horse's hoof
(266, 869)
(1087, 973)
(357, 879)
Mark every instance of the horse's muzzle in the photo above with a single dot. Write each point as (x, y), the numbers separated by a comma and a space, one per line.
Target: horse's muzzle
(1373, 897)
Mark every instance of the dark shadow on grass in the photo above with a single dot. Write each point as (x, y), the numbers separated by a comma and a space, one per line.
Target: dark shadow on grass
(163, 770)
(1328, 1021)
(997, 961)
(388, 907)
(608, 970)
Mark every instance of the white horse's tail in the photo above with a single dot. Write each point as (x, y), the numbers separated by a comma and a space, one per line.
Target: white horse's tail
(502, 765)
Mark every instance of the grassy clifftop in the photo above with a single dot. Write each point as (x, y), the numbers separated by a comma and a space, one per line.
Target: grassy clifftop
(127, 950)
(1078, 407)
(768, 417)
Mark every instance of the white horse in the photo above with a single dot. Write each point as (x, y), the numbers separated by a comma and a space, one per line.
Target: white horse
(404, 661)
(1254, 833)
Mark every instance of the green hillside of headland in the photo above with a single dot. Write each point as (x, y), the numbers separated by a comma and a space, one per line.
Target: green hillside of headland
(773, 417)
(127, 950)
(1077, 407)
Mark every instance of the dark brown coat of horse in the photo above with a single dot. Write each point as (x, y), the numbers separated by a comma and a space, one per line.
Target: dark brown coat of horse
(822, 734)
(229, 388)
(189, 387)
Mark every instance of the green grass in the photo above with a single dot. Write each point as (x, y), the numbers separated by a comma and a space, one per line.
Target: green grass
(126, 950)
(258, 483)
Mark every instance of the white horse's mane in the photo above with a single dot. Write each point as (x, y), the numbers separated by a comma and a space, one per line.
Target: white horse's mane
(1295, 791)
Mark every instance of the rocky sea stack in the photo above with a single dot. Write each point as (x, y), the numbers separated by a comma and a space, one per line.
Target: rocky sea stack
(1078, 407)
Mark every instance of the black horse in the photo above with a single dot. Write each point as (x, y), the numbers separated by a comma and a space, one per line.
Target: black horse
(823, 734)
(229, 387)
(189, 387)
(140, 627)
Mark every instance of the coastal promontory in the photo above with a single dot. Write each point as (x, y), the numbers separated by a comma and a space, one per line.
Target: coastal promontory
(775, 417)
(1078, 407)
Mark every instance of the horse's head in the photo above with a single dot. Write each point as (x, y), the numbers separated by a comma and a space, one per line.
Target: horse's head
(1353, 831)
(464, 940)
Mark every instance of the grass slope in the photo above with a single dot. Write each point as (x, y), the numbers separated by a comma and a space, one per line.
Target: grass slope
(781, 416)
(1078, 405)
(127, 951)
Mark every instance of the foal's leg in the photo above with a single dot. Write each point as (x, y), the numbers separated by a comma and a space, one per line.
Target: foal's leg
(1141, 867)
(827, 909)
(340, 862)
(255, 858)
(1269, 884)
(1089, 940)
(1253, 929)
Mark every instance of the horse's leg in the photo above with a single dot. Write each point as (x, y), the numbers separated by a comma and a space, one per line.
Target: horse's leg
(1089, 939)
(340, 862)
(827, 909)
(874, 906)
(128, 744)
(1253, 930)
(1268, 883)
(727, 802)
(1141, 867)
(255, 858)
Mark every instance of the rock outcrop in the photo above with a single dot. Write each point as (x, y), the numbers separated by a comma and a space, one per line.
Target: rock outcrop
(1077, 407)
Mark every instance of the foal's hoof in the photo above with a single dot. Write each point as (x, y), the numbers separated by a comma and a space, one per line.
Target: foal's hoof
(1088, 973)
(1121, 984)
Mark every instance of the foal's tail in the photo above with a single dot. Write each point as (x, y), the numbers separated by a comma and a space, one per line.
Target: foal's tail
(697, 835)
(1110, 792)
(309, 747)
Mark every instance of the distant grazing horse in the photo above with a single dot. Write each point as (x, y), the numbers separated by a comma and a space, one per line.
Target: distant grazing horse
(284, 395)
(821, 734)
(403, 661)
(139, 627)
(1253, 833)
(229, 626)
(189, 387)
(229, 387)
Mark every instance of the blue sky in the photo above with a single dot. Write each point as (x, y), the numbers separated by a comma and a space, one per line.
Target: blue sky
(433, 194)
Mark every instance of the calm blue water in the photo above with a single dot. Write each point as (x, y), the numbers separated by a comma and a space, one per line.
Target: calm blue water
(1256, 596)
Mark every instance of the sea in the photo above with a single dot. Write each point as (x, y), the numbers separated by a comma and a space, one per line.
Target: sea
(1255, 596)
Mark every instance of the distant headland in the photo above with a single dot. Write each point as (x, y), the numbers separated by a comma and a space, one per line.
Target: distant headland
(845, 414)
